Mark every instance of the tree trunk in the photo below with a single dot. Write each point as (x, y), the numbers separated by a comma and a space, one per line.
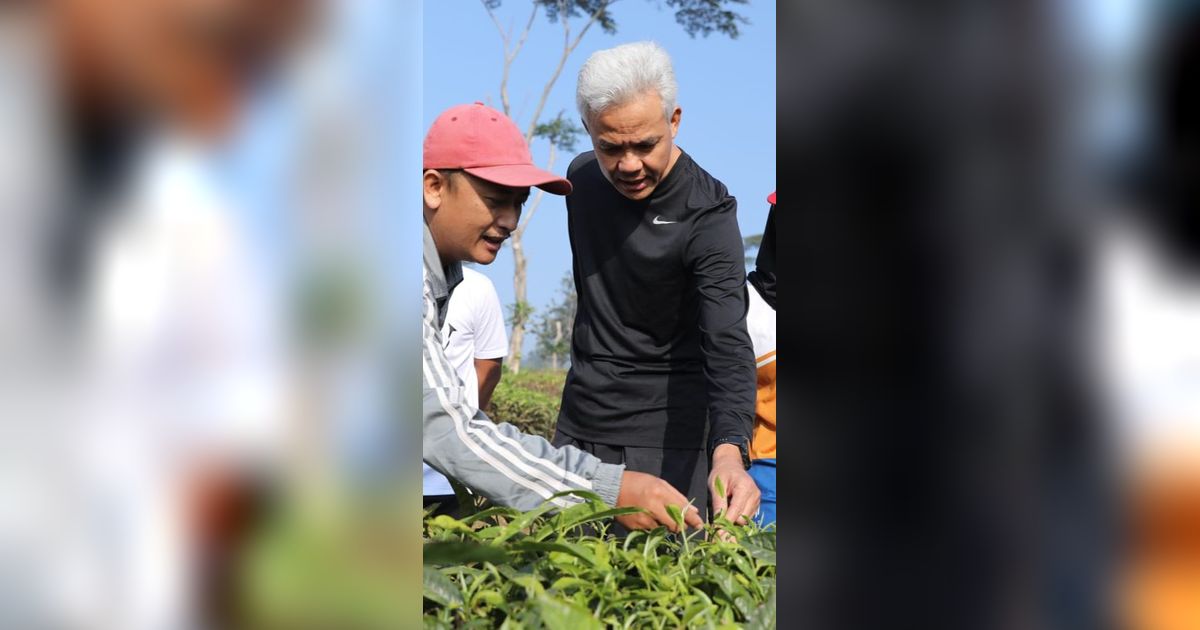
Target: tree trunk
(558, 335)
(519, 312)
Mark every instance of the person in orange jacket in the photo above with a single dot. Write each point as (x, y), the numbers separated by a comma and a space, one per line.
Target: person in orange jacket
(760, 323)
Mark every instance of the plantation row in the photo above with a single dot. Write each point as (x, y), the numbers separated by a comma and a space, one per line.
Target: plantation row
(528, 400)
(500, 567)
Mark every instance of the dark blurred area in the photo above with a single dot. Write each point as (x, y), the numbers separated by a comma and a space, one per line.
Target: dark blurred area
(991, 218)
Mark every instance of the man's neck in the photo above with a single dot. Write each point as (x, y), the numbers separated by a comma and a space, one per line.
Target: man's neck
(675, 153)
(445, 262)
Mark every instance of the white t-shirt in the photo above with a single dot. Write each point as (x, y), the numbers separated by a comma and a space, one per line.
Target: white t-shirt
(474, 329)
(1148, 351)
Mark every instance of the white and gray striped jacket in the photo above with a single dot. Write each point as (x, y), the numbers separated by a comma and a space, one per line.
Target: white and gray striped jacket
(497, 461)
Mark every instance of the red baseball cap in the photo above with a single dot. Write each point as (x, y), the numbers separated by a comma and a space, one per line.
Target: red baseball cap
(771, 199)
(488, 145)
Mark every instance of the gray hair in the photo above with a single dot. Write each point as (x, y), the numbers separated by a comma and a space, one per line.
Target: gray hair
(617, 75)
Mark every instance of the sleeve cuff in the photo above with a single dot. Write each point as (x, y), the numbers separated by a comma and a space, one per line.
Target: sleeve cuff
(606, 482)
(742, 443)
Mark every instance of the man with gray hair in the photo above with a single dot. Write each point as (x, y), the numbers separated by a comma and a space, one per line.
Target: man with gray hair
(662, 374)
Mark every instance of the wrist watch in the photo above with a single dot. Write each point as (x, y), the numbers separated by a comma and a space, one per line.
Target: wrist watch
(743, 446)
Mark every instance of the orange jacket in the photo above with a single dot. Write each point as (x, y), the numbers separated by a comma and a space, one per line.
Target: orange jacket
(760, 322)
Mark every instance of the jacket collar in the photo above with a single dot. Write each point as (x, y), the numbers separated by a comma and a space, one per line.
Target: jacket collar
(441, 279)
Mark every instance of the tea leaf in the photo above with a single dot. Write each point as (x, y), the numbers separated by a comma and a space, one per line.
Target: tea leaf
(572, 549)
(598, 516)
(761, 546)
(586, 495)
(464, 496)
(491, 597)
(676, 515)
(490, 513)
(730, 586)
(450, 523)
(565, 583)
(524, 520)
(763, 617)
(440, 589)
(452, 552)
(561, 615)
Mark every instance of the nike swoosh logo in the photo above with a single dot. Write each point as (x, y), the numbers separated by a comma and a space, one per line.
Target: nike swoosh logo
(657, 221)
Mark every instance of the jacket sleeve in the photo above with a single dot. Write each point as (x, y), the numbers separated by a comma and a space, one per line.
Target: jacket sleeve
(716, 258)
(496, 460)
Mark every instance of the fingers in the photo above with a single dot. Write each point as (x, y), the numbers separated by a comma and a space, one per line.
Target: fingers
(744, 503)
(654, 495)
(676, 498)
(691, 515)
(637, 521)
(737, 503)
(719, 501)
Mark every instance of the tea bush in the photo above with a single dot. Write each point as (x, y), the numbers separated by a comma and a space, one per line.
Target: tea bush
(504, 568)
(529, 400)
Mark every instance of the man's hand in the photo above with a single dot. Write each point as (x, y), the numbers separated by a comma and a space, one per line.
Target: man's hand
(654, 494)
(741, 496)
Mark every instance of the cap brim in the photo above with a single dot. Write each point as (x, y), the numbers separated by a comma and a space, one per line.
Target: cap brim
(771, 199)
(520, 175)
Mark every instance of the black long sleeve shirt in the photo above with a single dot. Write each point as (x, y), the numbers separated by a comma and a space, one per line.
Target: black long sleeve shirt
(660, 343)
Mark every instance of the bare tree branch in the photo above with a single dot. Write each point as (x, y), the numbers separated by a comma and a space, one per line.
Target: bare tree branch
(525, 33)
(510, 57)
(503, 35)
(538, 199)
(510, 51)
(568, 48)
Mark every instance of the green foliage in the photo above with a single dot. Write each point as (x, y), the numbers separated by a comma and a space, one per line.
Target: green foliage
(581, 8)
(751, 243)
(706, 17)
(562, 132)
(697, 17)
(519, 313)
(331, 303)
(556, 324)
(334, 568)
(561, 570)
(529, 400)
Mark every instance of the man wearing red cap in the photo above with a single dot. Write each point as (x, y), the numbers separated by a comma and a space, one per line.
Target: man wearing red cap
(662, 369)
(477, 174)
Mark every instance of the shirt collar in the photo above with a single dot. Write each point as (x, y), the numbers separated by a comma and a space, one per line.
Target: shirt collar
(671, 181)
(442, 279)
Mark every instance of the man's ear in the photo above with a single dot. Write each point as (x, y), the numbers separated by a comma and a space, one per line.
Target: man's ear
(584, 122)
(433, 188)
(675, 117)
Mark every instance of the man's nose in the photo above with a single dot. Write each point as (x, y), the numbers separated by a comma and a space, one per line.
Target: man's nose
(629, 164)
(507, 217)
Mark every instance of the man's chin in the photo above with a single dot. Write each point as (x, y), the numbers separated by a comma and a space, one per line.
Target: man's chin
(638, 195)
(483, 258)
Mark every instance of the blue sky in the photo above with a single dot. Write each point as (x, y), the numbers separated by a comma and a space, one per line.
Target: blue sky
(726, 90)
